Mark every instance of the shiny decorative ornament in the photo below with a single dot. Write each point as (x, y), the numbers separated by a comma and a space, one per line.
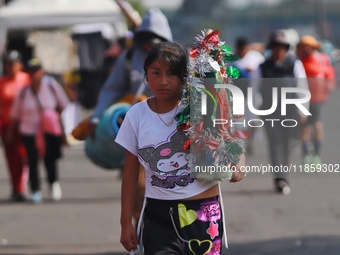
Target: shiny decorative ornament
(233, 72)
(214, 64)
(210, 146)
(229, 57)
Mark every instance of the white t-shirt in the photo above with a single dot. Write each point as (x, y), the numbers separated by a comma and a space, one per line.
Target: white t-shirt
(160, 149)
(25, 107)
(250, 61)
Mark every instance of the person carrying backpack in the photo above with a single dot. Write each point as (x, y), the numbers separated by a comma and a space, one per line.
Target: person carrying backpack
(127, 76)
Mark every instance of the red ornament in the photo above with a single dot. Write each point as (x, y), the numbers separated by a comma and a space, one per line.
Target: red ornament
(186, 145)
(194, 53)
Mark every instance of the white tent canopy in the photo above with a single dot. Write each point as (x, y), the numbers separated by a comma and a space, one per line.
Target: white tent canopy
(45, 13)
(33, 14)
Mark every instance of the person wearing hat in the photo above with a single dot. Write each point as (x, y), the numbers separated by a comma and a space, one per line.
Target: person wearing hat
(10, 84)
(30, 108)
(153, 29)
(279, 70)
(321, 80)
(127, 77)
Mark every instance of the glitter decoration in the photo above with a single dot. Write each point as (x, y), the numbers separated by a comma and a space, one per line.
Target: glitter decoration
(210, 145)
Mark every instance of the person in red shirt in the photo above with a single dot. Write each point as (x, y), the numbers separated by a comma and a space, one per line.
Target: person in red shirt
(321, 80)
(10, 84)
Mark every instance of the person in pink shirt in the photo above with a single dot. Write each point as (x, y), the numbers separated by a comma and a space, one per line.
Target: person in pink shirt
(10, 85)
(44, 94)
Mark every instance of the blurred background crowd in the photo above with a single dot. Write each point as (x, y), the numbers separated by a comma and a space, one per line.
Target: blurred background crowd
(79, 41)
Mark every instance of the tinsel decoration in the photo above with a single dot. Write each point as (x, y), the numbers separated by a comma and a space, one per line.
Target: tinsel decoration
(210, 146)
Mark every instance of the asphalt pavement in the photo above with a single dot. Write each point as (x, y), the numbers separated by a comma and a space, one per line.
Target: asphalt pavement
(259, 221)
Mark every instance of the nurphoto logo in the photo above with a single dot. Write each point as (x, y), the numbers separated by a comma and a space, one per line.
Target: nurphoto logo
(278, 94)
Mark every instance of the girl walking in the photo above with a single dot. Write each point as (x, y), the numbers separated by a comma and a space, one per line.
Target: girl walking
(182, 214)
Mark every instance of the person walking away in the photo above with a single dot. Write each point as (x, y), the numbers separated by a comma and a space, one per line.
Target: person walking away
(321, 81)
(14, 151)
(128, 75)
(32, 104)
(150, 136)
(280, 70)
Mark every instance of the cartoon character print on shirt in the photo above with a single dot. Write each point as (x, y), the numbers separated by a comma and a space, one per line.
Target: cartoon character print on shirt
(169, 161)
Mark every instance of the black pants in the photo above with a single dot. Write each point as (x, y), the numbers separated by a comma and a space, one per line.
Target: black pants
(279, 138)
(182, 227)
(53, 147)
(315, 109)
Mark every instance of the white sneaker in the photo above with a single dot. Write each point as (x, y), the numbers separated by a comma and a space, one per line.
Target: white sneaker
(282, 187)
(56, 193)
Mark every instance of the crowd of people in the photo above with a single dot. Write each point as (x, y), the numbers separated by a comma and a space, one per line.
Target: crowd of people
(31, 129)
(306, 68)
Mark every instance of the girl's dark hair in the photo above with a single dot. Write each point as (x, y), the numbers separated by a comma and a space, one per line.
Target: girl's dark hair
(171, 53)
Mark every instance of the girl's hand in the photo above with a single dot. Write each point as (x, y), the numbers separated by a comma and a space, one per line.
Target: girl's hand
(128, 237)
(240, 172)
